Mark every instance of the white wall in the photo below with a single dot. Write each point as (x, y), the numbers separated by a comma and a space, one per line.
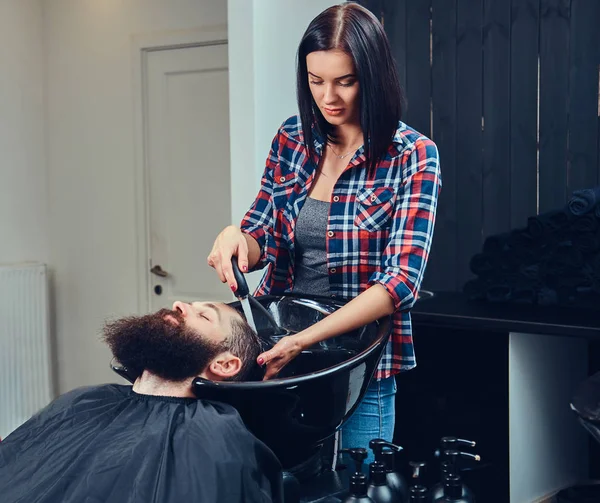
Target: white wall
(262, 85)
(548, 447)
(23, 202)
(91, 149)
(91, 160)
(263, 41)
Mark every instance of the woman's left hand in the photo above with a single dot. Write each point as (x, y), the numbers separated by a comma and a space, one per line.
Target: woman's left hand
(280, 355)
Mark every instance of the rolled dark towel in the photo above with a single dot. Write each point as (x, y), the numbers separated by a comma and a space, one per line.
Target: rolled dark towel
(585, 288)
(531, 272)
(500, 243)
(520, 238)
(475, 289)
(572, 281)
(584, 223)
(498, 293)
(567, 295)
(587, 242)
(535, 226)
(572, 278)
(547, 296)
(583, 201)
(595, 264)
(484, 263)
(525, 256)
(524, 295)
(564, 258)
(548, 222)
(496, 243)
(586, 300)
(510, 261)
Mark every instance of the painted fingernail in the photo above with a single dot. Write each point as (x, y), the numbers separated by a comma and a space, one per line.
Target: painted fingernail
(260, 361)
(233, 287)
(244, 268)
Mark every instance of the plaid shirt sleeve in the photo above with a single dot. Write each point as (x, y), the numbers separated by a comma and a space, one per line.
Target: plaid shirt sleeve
(259, 220)
(405, 256)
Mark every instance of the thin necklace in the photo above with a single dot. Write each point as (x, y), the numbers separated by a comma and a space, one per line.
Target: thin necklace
(342, 155)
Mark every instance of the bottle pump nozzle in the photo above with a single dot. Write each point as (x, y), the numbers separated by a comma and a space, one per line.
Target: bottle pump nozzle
(455, 443)
(418, 492)
(417, 466)
(453, 455)
(378, 444)
(358, 455)
(384, 452)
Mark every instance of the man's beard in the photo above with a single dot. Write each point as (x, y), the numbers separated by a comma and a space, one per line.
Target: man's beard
(173, 352)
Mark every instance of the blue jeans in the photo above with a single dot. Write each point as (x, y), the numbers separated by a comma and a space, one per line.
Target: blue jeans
(374, 417)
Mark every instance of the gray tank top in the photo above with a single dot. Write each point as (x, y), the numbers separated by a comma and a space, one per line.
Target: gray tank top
(310, 268)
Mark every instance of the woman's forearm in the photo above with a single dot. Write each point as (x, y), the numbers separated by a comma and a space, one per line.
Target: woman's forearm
(372, 304)
(253, 250)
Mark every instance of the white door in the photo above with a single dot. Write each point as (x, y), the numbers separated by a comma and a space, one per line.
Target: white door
(187, 148)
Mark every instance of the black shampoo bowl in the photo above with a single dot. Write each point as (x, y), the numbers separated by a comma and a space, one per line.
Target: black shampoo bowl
(315, 393)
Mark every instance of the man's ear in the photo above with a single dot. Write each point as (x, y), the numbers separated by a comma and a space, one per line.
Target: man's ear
(224, 366)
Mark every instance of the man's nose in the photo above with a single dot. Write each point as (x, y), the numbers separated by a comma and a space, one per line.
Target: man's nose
(180, 306)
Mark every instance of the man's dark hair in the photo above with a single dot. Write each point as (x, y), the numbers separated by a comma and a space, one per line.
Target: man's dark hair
(245, 344)
(357, 32)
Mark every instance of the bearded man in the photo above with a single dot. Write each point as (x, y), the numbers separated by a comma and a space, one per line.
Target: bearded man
(153, 441)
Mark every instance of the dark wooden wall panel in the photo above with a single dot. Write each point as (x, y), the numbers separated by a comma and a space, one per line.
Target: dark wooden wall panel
(496, 115)
(375, 6)
(441, 267)
(525, 16)
(554, 94)
(508, 90)
(418, 66)
(469, 137)
(583, 95)
(394, 22)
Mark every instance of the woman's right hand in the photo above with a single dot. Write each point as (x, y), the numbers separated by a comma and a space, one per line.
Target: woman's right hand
(230, 242)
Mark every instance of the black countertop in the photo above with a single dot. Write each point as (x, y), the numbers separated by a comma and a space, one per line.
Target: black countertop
(454, 310)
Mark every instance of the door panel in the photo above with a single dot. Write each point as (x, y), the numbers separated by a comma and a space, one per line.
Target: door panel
(187, 132)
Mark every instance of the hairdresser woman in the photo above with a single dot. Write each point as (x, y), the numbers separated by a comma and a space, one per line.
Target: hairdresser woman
(346, 206)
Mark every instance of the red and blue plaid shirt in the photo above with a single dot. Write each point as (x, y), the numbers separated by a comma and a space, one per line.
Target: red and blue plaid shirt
(379, 229)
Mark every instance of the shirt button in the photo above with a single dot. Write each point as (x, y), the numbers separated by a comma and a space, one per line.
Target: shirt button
(336, 199)
(282, 179)
(331, 234)
(332, 270)
(373, 198)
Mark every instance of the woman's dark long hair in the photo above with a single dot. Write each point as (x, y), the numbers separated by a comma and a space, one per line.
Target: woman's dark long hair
(357, 32)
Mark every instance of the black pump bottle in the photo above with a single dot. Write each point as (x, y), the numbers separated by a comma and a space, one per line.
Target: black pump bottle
(358, 481)
(453, 490)
(379, 490)
(385, 453)
(448, 467)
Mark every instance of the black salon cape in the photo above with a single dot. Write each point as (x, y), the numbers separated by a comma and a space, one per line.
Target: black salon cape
(110, 444)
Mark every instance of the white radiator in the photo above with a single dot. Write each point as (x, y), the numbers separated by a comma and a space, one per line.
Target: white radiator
(25, 373)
